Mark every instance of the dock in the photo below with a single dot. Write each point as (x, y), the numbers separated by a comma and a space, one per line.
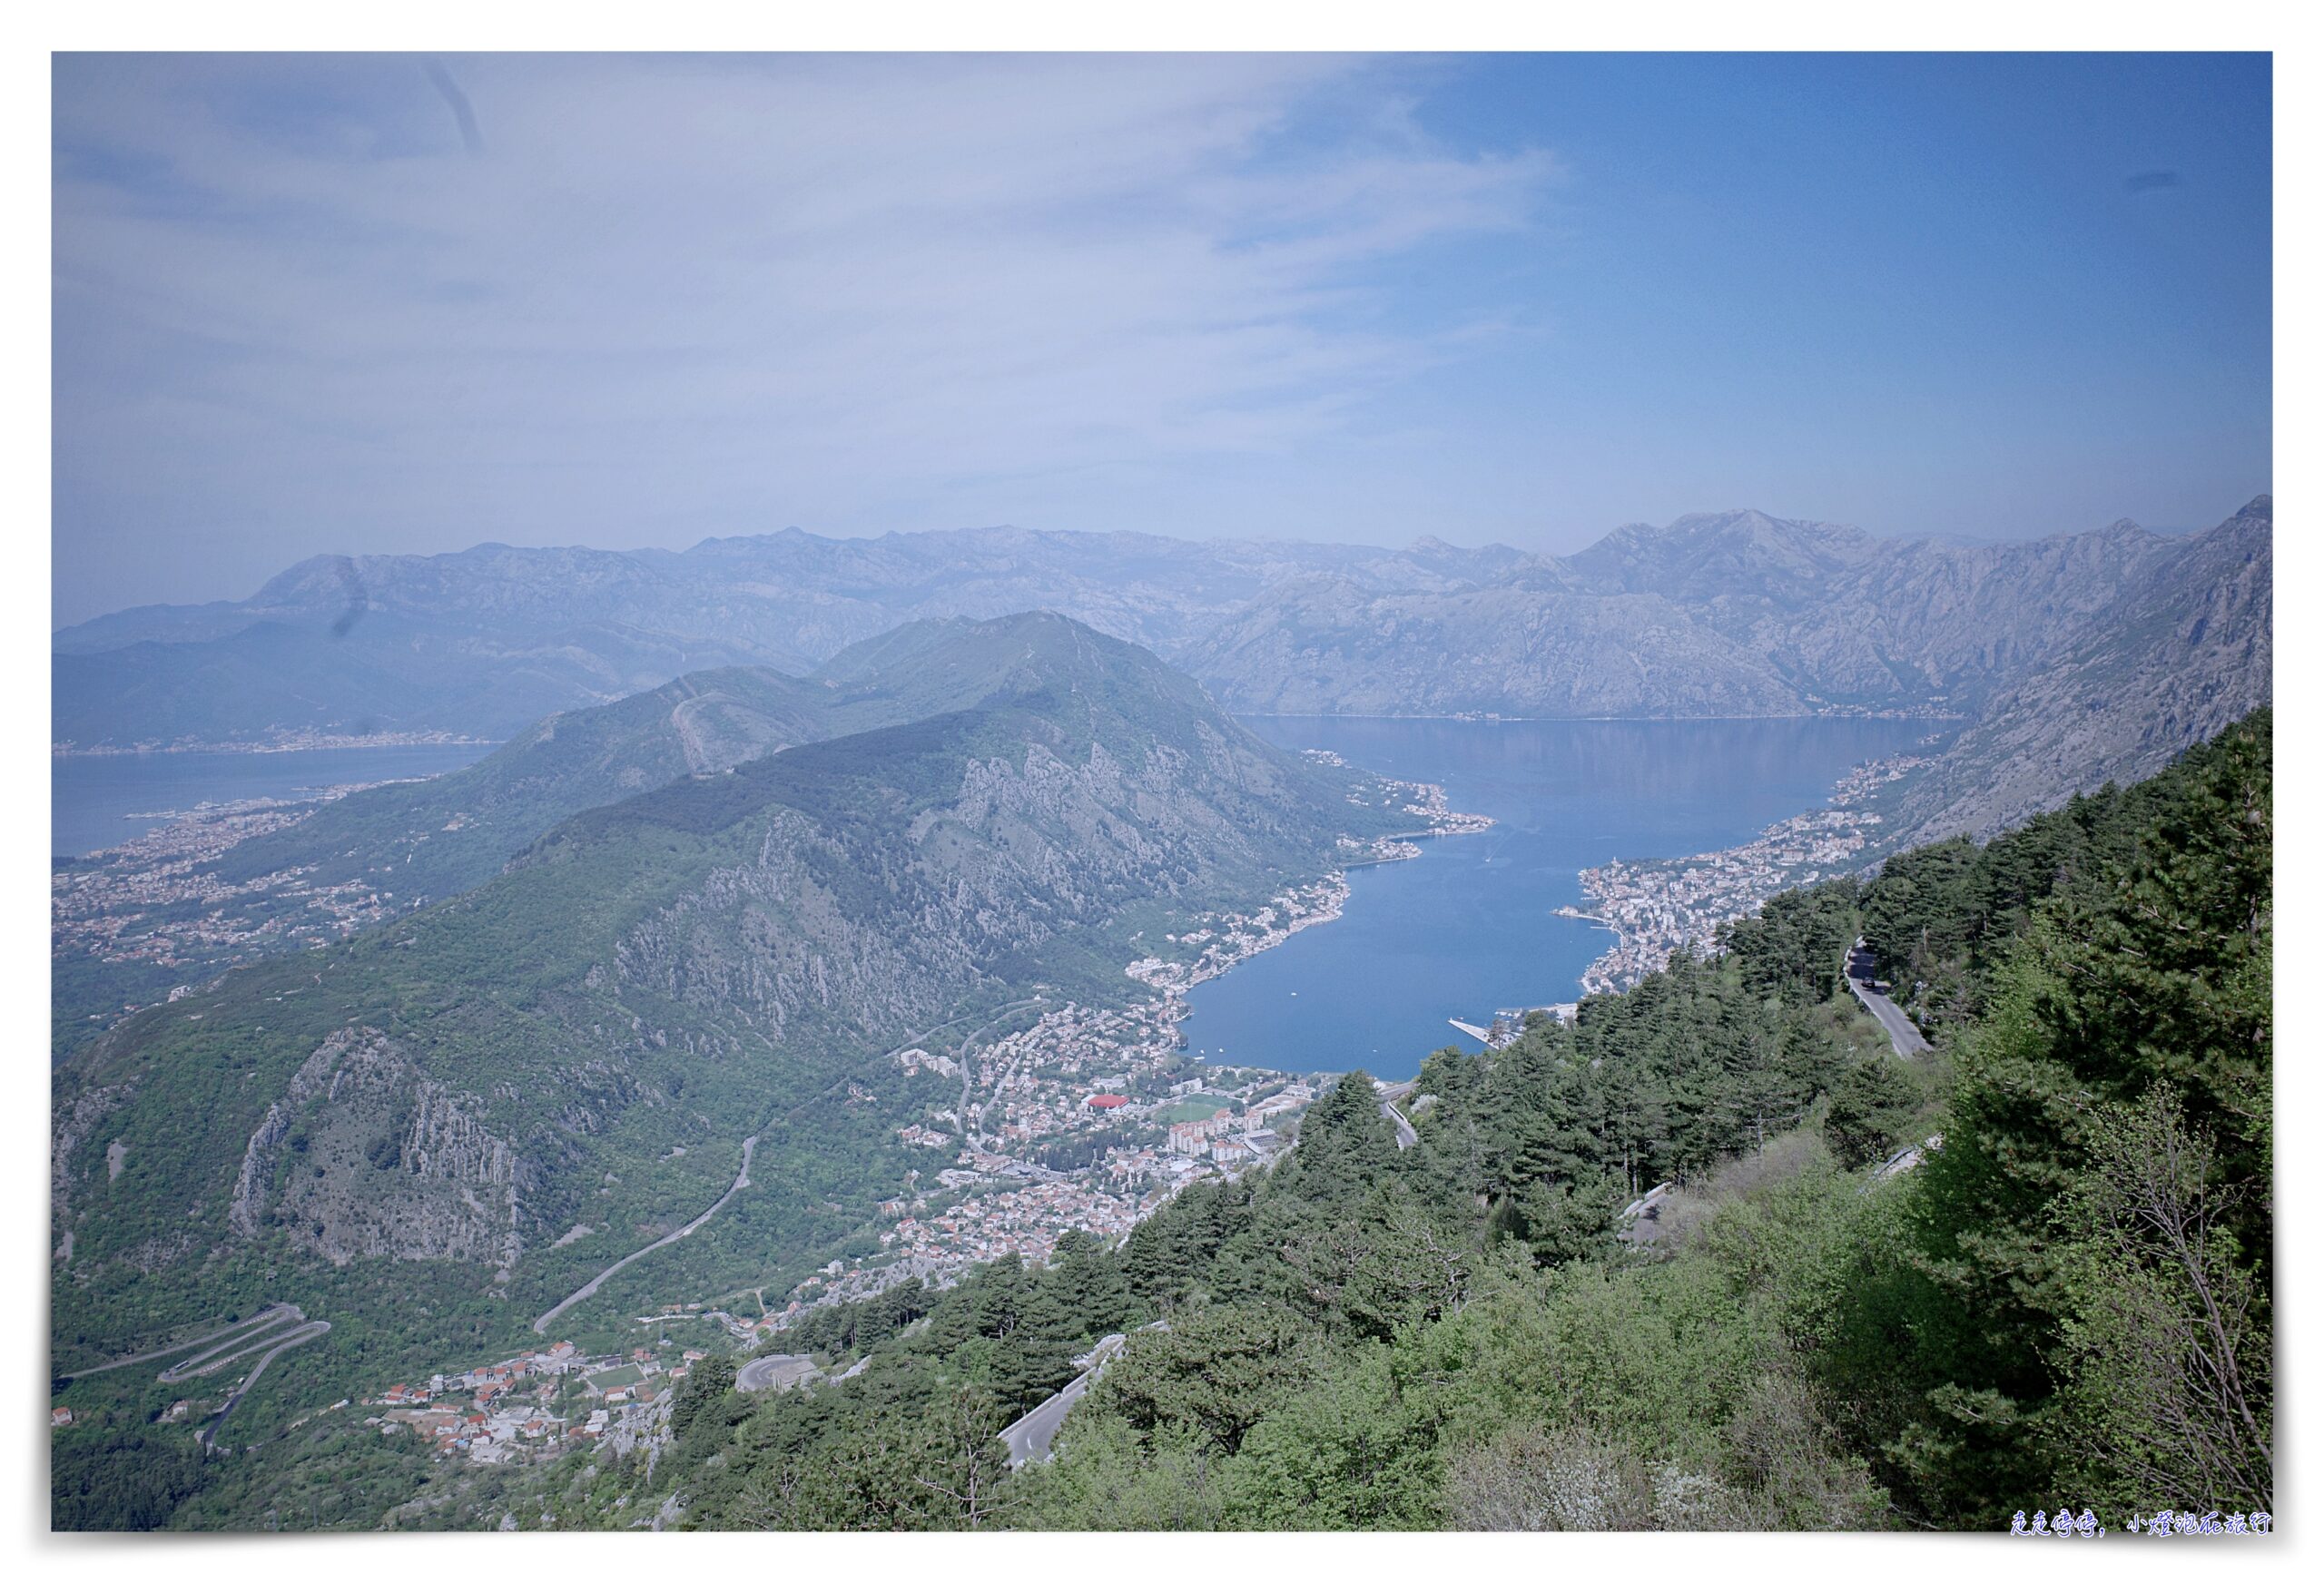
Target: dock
(1471, 1028)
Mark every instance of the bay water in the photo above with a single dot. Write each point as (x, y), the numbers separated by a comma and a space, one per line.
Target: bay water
(1470, 925)
(102, 799)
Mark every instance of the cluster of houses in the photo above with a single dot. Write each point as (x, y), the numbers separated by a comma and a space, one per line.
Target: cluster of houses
(507, 1410)
(1229, 1140)
(154, 898)
(1026, 1223)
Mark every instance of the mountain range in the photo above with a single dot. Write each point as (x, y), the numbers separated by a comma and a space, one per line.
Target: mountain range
(1736, 614)
(438, 837)
(485, 642)
(1732, 614)
(2185, 648)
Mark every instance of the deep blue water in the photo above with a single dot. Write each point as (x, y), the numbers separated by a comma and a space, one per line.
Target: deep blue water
(1467, 927)
(96, 802)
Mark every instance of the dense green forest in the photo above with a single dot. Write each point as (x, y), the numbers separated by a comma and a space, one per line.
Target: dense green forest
(2066, 1301)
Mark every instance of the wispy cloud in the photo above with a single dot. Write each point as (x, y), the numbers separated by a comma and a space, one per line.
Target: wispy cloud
(719, 294)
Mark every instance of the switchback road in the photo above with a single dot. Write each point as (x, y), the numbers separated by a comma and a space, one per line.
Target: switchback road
(226, 1351)
(760, 1372)
(297, 1338)
(268, 1313)
(1389, 1094)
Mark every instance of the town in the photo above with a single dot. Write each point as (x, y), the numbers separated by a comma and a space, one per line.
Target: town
(288, 740)
(149, 899)
(1657, 907)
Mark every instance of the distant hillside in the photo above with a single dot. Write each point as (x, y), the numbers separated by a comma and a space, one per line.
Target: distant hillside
(1733, 613)
(487, 641)
(434, 838)
(1325, 646)
(296, 671)
(2188, 649)
(587, 1037)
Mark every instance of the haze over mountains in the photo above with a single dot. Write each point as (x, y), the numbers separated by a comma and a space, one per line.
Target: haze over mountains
(436, 838)
(486, 641)
(1731, 613)
(2185, 648)
(716, 908)
(1736, 614)
(2096, 654)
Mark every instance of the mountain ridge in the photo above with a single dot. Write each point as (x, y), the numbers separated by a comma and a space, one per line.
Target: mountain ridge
(486, 640)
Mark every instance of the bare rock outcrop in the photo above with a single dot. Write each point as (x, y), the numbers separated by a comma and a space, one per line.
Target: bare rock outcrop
(366, 1156)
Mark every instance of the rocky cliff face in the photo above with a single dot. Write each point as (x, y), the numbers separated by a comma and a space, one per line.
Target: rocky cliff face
(883, 930)
(1328, 647)
(364, 1156)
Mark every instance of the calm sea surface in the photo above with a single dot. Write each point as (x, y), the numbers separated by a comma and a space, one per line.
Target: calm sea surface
(1467, 927)
(107, 800)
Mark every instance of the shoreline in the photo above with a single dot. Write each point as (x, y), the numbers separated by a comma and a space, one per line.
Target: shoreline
(1472, 717)
(1656, 906)
(321, 744)
(1228, 940)
(1320, 900)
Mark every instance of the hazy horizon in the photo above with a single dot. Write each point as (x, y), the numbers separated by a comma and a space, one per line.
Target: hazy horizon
(380, 304)
(62, 623)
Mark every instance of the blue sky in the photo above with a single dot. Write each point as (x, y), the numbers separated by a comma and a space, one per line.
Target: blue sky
(1519, 298)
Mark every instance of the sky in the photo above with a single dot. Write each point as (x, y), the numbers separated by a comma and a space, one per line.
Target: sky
(392, 303)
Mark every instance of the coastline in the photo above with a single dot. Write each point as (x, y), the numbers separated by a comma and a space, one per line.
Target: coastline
(1320, 900)
(1656, 907)
(1481, 717)
(316, 743)
(1029, 1206)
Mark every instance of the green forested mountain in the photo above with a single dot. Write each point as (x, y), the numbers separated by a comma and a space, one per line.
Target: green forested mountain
(437, 838)
(405, 845)
(397, 1131)
(2064, 1296)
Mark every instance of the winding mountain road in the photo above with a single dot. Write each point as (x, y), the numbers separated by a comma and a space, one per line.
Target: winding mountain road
(1902, 1034)
(742, 1180)
(1030, 1437)
(742, 1177)
(267, 1313)
(244, 1340)
(1389, 1094)
(232, 1342)
(297, 1338)
(760, 1372)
